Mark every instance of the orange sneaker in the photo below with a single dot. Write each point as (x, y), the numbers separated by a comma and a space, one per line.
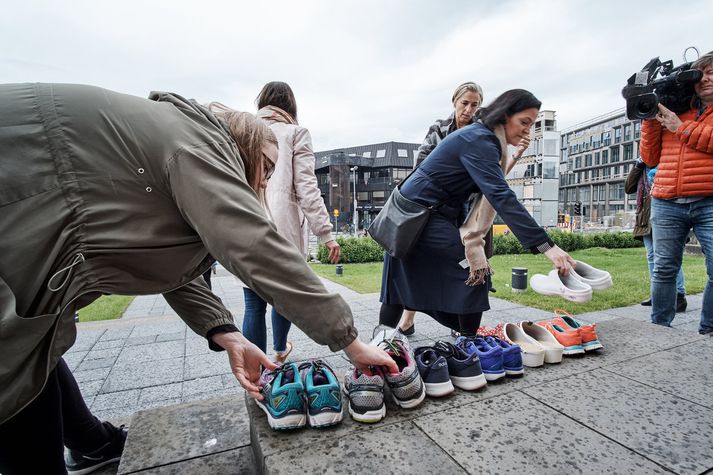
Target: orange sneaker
(590, 341)
(570, 339)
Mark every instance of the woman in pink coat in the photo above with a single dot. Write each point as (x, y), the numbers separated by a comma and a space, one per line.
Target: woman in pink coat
(294, 201)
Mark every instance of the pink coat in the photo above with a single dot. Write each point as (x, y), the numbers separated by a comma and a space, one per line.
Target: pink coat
(293, 196)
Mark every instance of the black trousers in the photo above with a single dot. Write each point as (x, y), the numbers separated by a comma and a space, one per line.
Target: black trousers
(33, 441)
(466, 324)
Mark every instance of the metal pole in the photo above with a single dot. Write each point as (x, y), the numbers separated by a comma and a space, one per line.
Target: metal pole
(355, 217)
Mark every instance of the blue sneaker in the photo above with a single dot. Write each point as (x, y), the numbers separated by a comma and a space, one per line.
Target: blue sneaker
(323, 394)
(283, 397)
(512, 356)
(491, 356)
(434, 371)
(464, 369)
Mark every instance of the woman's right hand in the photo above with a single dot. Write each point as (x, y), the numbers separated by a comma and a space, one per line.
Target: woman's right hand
(363, 356)
(334, 251)
(561, 260)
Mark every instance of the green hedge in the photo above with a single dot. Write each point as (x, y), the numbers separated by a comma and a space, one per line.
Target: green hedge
(365, 249)
(508, 243)
(354, 249)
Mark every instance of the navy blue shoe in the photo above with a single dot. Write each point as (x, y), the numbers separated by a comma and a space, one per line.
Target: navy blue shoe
(512, 356)
(491, 356)
(463, 369)
(434, 371)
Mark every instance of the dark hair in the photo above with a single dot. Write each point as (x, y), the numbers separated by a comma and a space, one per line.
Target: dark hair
(507, 104)
(278, 94)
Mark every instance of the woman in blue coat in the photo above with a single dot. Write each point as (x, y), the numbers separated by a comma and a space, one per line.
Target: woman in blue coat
(470, 160)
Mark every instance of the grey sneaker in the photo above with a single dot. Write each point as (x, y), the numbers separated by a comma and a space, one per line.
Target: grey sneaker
(366, 396)
(406, 386)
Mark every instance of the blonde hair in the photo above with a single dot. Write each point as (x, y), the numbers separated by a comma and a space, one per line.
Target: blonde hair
(467, 87)
(704, 61)
(250, 135)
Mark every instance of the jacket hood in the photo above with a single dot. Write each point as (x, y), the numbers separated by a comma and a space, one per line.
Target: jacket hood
(275, 114)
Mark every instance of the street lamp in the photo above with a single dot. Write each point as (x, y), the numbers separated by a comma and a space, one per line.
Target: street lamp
(355, 217)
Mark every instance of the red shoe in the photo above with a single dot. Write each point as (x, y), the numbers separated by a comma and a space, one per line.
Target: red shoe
(495, 331)
(590, 341)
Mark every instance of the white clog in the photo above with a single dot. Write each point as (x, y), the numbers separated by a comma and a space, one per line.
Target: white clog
(598, 279)
(565, 286)
(533, 354)
(553, 349)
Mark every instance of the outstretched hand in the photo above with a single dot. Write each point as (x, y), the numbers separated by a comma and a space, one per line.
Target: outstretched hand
(245, 359)
(363, 356)
(562, 261)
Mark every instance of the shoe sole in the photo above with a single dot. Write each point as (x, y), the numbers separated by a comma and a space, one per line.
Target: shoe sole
(573, 298)
(514, 373)
(293, 421)
(592, 345)
(324, 419)
(93, 468)
(494, 376)
(469, 383)
(553, 356)
(439, 389)
(533, 360)
(369, 417)
(573, 350)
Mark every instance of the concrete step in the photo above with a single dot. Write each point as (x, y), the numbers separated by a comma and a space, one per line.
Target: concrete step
(209, 436)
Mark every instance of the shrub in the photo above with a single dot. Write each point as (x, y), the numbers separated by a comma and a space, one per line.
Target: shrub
(354, 249)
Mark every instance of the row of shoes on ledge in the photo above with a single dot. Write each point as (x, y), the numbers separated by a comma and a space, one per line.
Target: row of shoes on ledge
(548, 340)
(576, 286)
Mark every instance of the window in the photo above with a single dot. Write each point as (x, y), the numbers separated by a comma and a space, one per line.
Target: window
(605, 157)
(578, 162)
(616, 170)
(400, 173)
(402, 152)
(597, 159)
(617, 135)
(550, 147)
(628, 152)
(381, 153)
(614, 154)
(366, 154)
(606, 138)
(363, 196)
(588, 160)
(627, 132)
(616, 192)
(602, 193)
(605, 172)
(637, 130)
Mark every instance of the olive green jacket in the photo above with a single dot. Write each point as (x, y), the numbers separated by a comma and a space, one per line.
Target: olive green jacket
(106, 193)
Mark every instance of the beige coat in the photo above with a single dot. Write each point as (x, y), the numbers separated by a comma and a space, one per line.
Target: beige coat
(293, 196)
(106, 193)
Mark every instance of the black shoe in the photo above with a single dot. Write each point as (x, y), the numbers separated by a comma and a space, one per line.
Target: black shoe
(647, 302)
(681, 303)
(408, 331)
(78, 463)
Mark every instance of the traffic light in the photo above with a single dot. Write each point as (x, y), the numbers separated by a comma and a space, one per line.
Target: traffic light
(578, 208)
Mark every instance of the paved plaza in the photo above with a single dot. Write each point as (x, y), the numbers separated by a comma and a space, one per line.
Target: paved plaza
(642, 405)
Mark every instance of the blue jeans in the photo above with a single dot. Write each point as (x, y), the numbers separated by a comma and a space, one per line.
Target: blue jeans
(649, 245)
(254, 328)
(671, 223)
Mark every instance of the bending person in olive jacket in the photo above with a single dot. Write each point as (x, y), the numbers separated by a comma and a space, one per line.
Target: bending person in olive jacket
(106, 193)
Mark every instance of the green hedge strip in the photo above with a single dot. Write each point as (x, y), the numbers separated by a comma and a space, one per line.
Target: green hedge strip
(365, 249)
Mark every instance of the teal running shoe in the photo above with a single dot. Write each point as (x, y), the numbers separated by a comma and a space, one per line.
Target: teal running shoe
(283, 397)
(323, 394)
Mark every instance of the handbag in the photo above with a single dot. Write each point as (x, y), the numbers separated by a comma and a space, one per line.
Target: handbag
(399, 224)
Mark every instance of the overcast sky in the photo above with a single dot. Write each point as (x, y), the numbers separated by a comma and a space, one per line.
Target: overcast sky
(363, 71)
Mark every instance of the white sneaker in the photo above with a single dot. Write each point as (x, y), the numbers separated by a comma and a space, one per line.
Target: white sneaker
(565, 286)
(598, 279)
(553, 349)
(533, 354)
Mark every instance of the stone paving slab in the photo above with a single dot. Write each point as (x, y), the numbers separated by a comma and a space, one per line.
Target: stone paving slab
(684, 371)
(514, 433)
(670, 431)
(184, 432)
(232, 462)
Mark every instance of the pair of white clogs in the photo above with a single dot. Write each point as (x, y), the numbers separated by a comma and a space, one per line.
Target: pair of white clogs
(576, 286)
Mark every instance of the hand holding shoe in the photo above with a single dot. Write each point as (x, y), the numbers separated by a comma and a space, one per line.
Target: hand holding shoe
(363, 356)
(245, 359)
(560, 259)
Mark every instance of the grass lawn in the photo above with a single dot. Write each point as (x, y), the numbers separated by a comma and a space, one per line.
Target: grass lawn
(627, 267)
(106, 307)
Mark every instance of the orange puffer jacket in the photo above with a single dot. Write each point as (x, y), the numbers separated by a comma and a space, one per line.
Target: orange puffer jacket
(684, 158)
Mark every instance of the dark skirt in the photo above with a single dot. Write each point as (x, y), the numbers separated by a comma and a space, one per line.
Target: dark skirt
(430, 278)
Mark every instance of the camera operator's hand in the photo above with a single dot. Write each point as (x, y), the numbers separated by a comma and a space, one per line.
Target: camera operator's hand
(668, 119)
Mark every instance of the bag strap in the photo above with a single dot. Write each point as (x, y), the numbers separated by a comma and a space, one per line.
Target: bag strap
(432, 207)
